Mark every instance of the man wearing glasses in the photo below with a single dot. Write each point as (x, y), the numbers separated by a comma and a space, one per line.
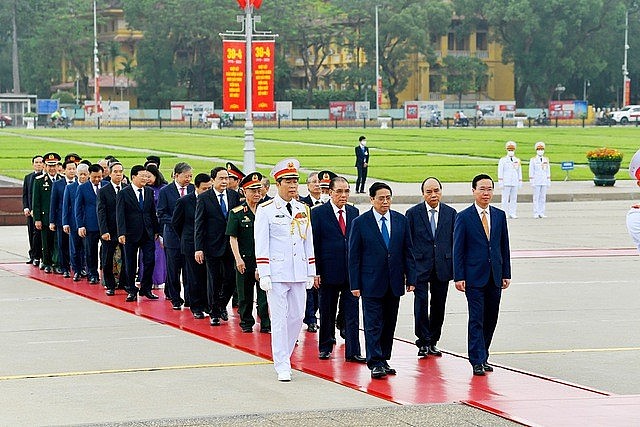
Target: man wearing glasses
(481, 268)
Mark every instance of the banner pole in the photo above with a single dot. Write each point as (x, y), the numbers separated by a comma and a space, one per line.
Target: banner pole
(249, 164)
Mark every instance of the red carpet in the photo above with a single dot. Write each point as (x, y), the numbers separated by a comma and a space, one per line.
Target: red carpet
(522, 397)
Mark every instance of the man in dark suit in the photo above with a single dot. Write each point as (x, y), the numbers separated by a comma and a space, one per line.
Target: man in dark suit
(41, 204)
(183, 222)
(107, 205)
(169, 194)
(212, 243)
(362, 164)
(431, 224)
(55, 216)
(35, 239)
(137, 230)
(312, 199)
(481, 268)
(381, 266)
(85, 209)
(264, 191)
(331, 226)
(69, 225)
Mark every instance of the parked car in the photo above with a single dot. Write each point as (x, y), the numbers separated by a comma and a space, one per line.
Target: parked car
(630, 113)
(5, 120)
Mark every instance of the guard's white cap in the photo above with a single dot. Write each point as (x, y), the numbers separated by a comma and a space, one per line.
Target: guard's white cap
(287, 168)
(539, 145)
(510, 145)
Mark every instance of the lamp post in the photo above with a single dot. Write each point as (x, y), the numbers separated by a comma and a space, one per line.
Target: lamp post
(96, 64)
(585, 86)
(626, 81)
(378, 82)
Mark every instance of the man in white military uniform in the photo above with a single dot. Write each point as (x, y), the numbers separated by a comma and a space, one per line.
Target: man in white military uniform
(510, 179)
(285, 261)
(540, 178)
(633, 216)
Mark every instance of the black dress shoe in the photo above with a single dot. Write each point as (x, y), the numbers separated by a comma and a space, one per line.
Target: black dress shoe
(42, 266)
(176, 306)
(214, 321)
(247, 329)
(478, 370)
(131, 298)
(224, 315)
(389, 370)
(487, 367)
(58, 270)
(324, 355)
(30, 261)
(76, 277)
(198, 315)
(36, 262)
(66, 274)
(378, 372)
(312, 328)
(149, 295)
(110, 292)
(343, 334)
(266, 330)
(423, 351)
(46, 269)
(356, 359)
(434, 351)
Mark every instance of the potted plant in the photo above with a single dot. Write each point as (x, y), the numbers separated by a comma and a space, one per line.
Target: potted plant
(604, 163)
(29, 120)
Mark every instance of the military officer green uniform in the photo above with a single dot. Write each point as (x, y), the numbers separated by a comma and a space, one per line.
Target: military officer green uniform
(240, 229)
(42, 185)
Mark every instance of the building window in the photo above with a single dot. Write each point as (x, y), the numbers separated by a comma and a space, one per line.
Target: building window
(481, 41)
(457, 42)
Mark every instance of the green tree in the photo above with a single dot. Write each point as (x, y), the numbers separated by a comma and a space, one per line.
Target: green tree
(464, 74)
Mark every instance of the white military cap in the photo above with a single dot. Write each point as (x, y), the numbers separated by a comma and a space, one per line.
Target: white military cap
(287, 168)
(510, 145)
(634, 166)
(539, 145)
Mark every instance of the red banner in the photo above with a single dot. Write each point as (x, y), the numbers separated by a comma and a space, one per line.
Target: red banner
(233, 78)
(627, 91)
(263, 64)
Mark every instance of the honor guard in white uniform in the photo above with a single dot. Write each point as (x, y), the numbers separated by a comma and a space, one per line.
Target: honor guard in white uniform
(510, 179)
(633, 216)
(540, 178)
(285, 261)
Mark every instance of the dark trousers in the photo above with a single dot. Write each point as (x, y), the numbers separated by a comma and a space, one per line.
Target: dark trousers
(245, 284)
(312, 307)
(362, 178)
(148, 248)
(380, 316)
(195, 284)
(63, 249)
(429, 314)
(91, 252)
(48, 244)
(328, 304)
(35, 239)
(221, 281)
(108, 251)
(484, 304)
(76, 251)
(175, 268)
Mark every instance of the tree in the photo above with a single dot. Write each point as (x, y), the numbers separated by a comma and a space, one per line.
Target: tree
(463, 74)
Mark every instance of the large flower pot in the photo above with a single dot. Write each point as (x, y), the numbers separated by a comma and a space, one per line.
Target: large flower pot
(604, 171)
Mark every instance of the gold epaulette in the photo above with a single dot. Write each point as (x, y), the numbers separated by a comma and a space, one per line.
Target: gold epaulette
(351, 203)
(40, 176)
(312, 207)
(268, 202)
(237, 209)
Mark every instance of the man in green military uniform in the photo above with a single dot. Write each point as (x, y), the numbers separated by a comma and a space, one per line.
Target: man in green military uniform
(42, 185)
(240, 230)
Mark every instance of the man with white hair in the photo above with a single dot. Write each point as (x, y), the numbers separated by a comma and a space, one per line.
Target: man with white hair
(510, 179)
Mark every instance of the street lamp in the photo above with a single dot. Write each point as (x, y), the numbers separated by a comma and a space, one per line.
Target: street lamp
(559, 88)
(585, 86)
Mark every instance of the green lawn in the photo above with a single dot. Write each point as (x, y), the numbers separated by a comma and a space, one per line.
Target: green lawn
(403, 155)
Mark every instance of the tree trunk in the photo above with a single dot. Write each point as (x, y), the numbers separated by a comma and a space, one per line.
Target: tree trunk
(14, 52)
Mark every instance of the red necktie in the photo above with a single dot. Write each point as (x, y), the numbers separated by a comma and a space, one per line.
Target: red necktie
(341, 223)
(181, 191)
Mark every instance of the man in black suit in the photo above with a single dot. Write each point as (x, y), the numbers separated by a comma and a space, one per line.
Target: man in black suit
(431, 224)
(137, 229)
(381, 266)
(212, 243)
(362, 164)
(183, 222)
(35, 238)
(481, 268)
(331, 226)
(264, 190)
(313, 187)
(107, 206)
(169, 194)
(312, 199)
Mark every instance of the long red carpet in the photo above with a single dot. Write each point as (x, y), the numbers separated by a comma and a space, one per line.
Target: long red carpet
(523, 397)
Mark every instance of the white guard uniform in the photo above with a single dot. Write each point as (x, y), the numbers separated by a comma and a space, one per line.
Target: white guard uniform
(540, 178)
(510, 179)
(284, 251)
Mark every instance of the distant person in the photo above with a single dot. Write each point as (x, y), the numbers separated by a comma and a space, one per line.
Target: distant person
(362, 164)
(41, 204)
(264, 190)
(55, 216)
(313, 187)
(35, 237)
(481, 268)
(156, 182)
(69, 225)
(510, 179)
(85, 209)
(540, 179)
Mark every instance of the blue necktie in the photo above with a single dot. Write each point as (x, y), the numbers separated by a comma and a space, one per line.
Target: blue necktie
(385, 231)
(432, 222)
(140, 199)
(223, 205)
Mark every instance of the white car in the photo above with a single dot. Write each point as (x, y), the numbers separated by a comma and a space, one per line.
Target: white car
(630, 113)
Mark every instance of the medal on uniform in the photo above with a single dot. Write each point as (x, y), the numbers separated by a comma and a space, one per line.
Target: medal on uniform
(301, 221)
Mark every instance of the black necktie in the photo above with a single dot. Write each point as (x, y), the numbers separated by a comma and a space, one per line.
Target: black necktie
(117, 189)
(289, 208)
(140, 199)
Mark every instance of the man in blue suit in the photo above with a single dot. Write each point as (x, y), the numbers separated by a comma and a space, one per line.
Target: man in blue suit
(431, 223)
(181, 186)
(362, 163)
(69, 225)
(331, 226)
(481, 268)
(55, 215)
(86, 212)
(381, 265)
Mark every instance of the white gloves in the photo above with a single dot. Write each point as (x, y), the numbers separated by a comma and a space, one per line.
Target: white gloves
(310, 281)
(265, 283)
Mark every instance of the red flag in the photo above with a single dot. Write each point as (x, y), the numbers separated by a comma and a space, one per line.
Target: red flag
(242, 3)
(256, 3)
